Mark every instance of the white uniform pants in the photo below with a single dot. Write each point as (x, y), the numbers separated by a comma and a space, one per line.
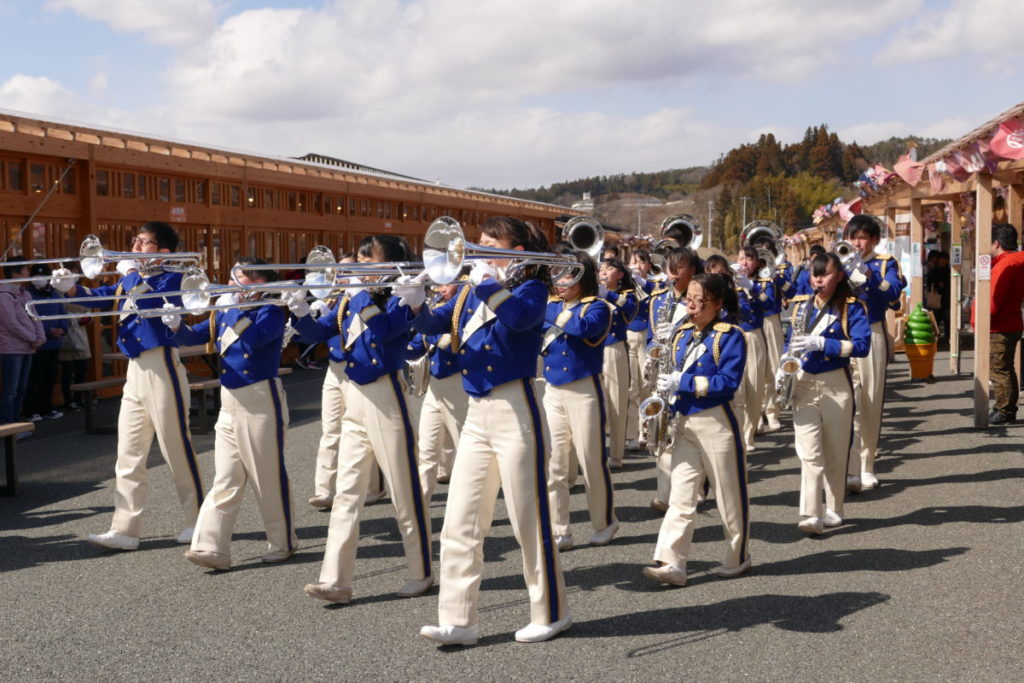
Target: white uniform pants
(501, 446)
(754, 386)
(376, 425)
(707, 444)
(249, 448)
(822, 423)
(869, 390)
(774, 341)
(615, 382)
(441, 418)
(576, 419)
(332, 408)
(636, 345)
(154, 402)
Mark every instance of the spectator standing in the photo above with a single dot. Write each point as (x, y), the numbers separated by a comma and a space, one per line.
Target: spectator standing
(20, 336)
(74, 358)
(1007, 293)
(46, 362)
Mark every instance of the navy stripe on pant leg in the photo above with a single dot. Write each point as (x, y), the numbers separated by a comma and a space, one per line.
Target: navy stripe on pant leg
(547, 542)
(741, 476)
(282, 472)
(186, 438)
(853, 413)
(414, 477)
(604, 455)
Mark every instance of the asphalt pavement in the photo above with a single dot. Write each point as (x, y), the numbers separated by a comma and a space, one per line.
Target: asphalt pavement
(922, 582)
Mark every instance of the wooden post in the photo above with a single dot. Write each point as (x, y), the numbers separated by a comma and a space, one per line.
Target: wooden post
(916, 249)
(1014, 202)
(955, 287)
(982, 300)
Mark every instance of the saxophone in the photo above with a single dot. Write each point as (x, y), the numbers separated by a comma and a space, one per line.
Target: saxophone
(789, 363)
(655, 429)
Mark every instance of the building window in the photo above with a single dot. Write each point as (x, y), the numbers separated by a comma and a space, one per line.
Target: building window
(128, 185)
(268, 199)
(140, 188)
(250, 197)
(293, 201)
(235, 192)
(102, 183)
(201, 192)
(387, 210)
(365, 207)
(37, 173)
(215, 193)
(351, 207)
(68, 184)
(179, 189)
(339, 206)
(163, 192)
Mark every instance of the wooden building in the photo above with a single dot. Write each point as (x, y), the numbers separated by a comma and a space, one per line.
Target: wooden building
(223, 203)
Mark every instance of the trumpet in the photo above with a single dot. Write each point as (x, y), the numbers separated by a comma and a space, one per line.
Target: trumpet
(845, 251)
(197, 292)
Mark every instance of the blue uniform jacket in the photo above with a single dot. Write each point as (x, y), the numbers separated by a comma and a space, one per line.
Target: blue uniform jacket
(712, 361)
(784, 283)
(884, 285)
(443, 363)
(845, 328)
(248, 341)
(624, 309)
(134, 334)
(53, 308)
(750, 315)
(640, 321)
(803, 281)
(574, 334)
(370, 342)
(765, 292)
(495, 332)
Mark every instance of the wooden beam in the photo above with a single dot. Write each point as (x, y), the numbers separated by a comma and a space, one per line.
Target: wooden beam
(916, 251)
(1015, 208)
(956, 224)
(982, 298)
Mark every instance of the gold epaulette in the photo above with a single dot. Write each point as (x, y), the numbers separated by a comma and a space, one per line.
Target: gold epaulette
(763, 279)
(554, 299)
(660, 291)
(723, 326)
(623, 292)
(588, 299)
(852, 299)
(687, 325)
(801, 297)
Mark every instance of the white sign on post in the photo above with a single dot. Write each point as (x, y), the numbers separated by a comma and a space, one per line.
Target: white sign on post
(915, 260)
(984, 267)
(956, 258)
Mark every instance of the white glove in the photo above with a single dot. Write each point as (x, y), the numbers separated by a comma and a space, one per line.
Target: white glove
(669, 381)
(602, 291)
(227, 300)
(663, 330)
(814, 342)
(319, 308)
(172, 320)
(126, 266)
(62, 280)
(409, 293)
(797, 344)
(779, 374)
(298, 306)
(743, 281)
(480, 271)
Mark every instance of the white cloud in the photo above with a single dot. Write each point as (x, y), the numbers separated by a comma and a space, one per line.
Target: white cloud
(987, 29)
(870, 132)
(165, 22)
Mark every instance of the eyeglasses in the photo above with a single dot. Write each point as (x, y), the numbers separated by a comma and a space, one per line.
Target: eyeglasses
(690, 301)
(143, 242)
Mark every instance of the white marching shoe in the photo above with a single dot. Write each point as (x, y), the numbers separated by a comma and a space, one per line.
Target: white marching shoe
(564, 542)
(811, 525)
(446, 634)
(112, 541)
(538, 633)
(416, 587)
(605, 535)
(831, 518)
(868, 481)
(185, 537)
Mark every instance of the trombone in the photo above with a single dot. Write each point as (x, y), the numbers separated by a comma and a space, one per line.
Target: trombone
(197, 292)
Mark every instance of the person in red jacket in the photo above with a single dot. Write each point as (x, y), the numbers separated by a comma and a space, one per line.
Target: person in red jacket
(1007, 293)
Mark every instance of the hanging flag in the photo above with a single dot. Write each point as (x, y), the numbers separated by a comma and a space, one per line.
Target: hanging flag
(908, 169)
(970, 159)
(991, 162)
(935, 178)
(955, 169)
(1008, 142)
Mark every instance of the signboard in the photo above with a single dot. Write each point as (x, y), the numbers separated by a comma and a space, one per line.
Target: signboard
(177, 214)
(903, 229)
(984, 266)
(915, 260)
(957, 257)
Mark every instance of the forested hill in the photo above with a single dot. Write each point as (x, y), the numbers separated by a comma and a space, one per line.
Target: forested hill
(763, 179)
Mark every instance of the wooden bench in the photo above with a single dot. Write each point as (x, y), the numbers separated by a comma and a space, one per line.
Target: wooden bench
(90, 389)
(9, 432)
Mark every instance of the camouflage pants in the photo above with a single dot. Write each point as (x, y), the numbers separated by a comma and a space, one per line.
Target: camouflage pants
(1002, 350)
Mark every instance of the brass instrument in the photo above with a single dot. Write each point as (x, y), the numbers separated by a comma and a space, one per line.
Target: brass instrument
(584, 234)
(655, 427)
(693, 233)
(761, 230)
(197, 293)
(790, 363)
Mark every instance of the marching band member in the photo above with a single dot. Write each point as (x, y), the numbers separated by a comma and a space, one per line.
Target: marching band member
(616, 289)
(155, 395)
(802, 280)
(829, 328)
(766, 291)
(332, 408)
(880, 284)
(636, 338)
(497, 330)
(709, 355)
(375, 328)
(445, 402)
(576, 325)
(682, 264)
(251, 428)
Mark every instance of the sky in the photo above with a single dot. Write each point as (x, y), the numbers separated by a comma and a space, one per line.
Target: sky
(503, 93)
